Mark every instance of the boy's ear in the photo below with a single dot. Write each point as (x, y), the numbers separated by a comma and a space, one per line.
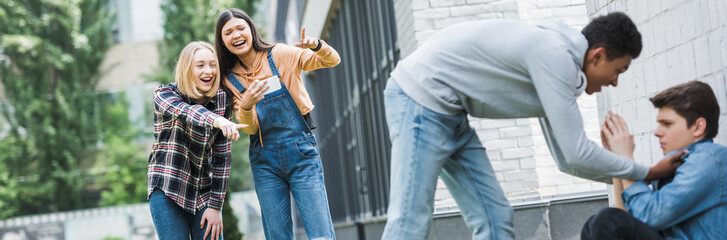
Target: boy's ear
(595, 55)
(700, 125)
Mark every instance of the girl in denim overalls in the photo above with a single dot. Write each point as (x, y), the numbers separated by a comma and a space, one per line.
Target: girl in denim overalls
(283, 152)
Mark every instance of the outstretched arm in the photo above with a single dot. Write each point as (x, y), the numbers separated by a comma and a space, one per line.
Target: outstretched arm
(168, 103)
(320, 55)
(554, 79)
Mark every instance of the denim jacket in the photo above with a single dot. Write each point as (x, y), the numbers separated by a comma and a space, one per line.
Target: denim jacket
(692, 204)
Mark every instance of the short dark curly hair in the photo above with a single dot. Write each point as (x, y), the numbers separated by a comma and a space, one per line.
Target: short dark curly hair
(616, 33)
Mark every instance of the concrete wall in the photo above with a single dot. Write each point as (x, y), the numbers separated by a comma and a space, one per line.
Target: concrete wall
(127, 222)
(124, 68)
(516, 147)
(126, 64)
(548, 219)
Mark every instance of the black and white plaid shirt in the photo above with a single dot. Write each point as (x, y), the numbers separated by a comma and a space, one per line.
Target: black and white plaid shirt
(190, 159)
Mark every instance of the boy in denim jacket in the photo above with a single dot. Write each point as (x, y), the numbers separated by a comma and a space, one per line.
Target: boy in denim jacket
(690, 205)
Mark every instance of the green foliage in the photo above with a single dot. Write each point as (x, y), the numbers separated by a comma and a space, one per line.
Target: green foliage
(230, 229)
(124, 181)
(8, 191)
(52, 50)
(61, 131)
(240, 173)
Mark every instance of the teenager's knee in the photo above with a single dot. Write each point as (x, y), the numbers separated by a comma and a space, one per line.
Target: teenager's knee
(604, 223)
(610, 215)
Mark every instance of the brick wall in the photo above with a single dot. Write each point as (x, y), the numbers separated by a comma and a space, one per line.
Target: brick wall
(683, 40)
(516, 147)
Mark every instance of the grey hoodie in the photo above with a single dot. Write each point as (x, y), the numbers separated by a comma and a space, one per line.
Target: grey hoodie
(510, 69)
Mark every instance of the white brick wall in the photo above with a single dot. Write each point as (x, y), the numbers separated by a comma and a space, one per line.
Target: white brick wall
(516, 147)
(432, 15)
(683, 40)
(405, 24)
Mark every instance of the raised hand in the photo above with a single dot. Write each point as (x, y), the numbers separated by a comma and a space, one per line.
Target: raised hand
(604, 141)
(307, 42)
(617, 136)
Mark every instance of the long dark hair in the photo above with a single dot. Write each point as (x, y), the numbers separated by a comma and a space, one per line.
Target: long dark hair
(225, 58)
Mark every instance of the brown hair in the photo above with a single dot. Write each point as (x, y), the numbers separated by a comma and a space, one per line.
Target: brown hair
(227, 59)
(183, 72)
(692, 100)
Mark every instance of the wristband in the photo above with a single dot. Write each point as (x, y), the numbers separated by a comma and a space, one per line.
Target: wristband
(318, 47)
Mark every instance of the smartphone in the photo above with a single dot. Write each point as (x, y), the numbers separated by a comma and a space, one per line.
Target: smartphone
(273, 83)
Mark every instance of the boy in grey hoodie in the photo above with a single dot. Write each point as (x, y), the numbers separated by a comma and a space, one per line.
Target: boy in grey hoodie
(499, 69)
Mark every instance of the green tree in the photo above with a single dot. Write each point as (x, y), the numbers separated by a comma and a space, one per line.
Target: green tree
(123, 180)
(240, 173)
(194, 20)
(50, 67)
(229, 220)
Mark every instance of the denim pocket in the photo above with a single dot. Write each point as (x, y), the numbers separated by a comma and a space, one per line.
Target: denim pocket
(278, 110)
(255, 155)
(395, 104)
(307, 149)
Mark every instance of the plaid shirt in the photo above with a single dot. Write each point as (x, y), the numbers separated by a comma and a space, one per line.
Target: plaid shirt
(190, 159)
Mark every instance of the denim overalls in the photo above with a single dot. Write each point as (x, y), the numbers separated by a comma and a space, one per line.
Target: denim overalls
(284, 159)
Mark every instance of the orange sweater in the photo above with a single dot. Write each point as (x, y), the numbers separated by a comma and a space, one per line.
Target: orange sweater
(290, 61)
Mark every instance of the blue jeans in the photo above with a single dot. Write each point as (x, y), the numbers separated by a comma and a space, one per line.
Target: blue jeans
(172, 222)
(278, 171)
(426, 144)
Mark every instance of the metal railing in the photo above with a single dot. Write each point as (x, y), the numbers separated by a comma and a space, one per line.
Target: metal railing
(352, 133)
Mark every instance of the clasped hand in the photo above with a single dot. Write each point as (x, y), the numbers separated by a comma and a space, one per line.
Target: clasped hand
(615, 137)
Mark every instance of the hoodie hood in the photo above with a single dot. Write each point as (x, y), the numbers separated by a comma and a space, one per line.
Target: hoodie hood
(577, 49)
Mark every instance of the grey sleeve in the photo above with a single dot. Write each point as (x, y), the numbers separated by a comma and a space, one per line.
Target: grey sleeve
(564, 166)
(554, 79)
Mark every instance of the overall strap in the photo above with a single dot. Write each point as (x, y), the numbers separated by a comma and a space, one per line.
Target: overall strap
(273, 68)
(231, 77)
(240, 88)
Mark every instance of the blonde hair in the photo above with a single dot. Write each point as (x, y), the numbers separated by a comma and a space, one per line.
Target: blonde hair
(183, 72)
